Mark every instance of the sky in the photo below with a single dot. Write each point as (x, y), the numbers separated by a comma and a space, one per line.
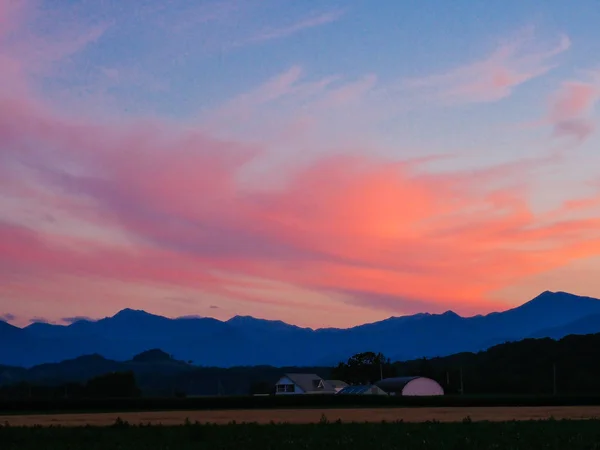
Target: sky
(322, 163)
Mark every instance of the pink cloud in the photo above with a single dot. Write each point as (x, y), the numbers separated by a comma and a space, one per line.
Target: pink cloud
(358, 225)
(32, 43)
(354, 224)
(197, 14)
(275, 88)
(368, 228)
(12, 15)
(287, 103)
(349, 92)
(493, 78)
(574, 99)
(571, 110)
(296, 27)
(159, 206)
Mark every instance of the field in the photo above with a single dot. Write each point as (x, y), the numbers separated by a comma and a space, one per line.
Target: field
(306, 416)
(465, 435)
(279, 402)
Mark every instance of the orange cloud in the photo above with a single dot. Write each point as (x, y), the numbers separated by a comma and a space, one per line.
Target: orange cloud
(378, 229)
(367, 229)
(149, 203)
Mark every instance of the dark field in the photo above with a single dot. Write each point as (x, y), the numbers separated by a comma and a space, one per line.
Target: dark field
(308, 415)
(98, 405)
(466, 435)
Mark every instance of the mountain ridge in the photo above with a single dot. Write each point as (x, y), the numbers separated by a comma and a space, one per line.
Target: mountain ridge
(246, 340)
(140, 313)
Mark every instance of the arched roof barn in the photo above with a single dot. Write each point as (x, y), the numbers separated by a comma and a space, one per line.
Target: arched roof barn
(410, 386)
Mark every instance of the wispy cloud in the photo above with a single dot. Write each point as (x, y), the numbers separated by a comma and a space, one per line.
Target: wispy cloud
(173, 211)
(296, 27)
(74, 319)
(7, 317)
(356, 224)
(38, 319)
(493, 78)
(148, 208)
(571, 109)
(195, 14)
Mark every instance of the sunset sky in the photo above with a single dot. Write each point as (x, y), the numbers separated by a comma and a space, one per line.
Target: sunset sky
(322, 163)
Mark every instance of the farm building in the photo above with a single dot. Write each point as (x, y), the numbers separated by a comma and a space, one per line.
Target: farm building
(307, 383)
(368, 389)
(411, 386)
(337, 385)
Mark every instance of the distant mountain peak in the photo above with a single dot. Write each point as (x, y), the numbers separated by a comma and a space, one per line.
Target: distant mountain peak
(132, 313)
(238, 317)
(548, 294)
(402, 318)
(250, 319)
(256, 323)
(548, 297)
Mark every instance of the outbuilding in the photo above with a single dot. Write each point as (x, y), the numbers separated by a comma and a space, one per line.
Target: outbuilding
(411, 386)
(367, 389)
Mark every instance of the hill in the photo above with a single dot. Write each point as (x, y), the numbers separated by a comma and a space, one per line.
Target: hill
(156, 373)
(247, 341)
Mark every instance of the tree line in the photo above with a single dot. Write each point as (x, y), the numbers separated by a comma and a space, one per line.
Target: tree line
(110, 385)
(570, 366)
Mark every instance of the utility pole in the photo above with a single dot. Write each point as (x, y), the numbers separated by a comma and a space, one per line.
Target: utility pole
(380, 370)
(447, 378)
(462, 388)
(554, 378)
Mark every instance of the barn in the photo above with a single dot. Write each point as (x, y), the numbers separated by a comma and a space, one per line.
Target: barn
(411, 386)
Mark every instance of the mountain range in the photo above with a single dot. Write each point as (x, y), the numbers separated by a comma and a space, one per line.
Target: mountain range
(248, 341)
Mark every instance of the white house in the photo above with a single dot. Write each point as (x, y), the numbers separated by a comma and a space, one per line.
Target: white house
(306, 383)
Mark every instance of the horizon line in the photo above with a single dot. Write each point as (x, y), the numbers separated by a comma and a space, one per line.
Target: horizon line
(66, 322)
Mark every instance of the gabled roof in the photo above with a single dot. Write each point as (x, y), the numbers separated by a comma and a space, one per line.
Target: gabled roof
(309, 382)
(336, 384)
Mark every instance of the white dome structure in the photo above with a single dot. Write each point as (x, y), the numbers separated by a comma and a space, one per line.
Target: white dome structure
(411, 386)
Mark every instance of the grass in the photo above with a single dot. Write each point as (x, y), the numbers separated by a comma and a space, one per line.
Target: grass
(464, 435)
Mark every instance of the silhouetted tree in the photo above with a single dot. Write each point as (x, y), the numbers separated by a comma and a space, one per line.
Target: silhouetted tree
(426, 369)
(364, 368)
(113, 385)
(262, 387)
